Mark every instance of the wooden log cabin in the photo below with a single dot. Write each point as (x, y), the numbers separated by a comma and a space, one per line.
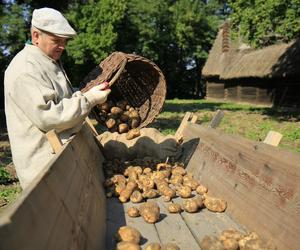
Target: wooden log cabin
(269, 76)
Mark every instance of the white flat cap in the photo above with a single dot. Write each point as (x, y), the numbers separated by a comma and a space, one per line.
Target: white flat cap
(52, 21)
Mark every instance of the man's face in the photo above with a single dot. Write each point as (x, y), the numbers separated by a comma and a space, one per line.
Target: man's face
(53, 46)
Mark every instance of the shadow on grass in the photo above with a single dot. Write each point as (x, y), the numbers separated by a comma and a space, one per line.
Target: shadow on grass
(166, 124)
(279, 114)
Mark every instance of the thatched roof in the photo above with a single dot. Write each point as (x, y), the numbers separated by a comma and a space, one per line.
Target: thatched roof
(279, 60)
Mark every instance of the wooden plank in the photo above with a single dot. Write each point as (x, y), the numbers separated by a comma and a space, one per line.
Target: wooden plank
(114, 220)
(205, 222)
(148, 231)
(64, 207)
(194, 119)
(173, 229)
(215, 122)
(261, 183)
(273, 138)
(25, 217)
(54, 141)
(178, 134)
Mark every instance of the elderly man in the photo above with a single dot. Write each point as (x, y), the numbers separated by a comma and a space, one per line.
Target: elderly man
(39, 97)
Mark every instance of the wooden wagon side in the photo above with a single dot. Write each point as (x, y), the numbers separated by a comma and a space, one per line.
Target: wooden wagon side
(65, 207)
(261, 183)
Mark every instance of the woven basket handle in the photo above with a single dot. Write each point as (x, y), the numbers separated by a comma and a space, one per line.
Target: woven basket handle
(116, 76)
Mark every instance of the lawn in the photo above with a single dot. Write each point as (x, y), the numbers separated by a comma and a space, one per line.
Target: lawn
(252, 122)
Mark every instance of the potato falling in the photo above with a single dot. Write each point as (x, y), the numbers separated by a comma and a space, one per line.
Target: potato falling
(120, 117)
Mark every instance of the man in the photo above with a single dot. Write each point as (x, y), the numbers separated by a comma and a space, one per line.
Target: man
(39, 97)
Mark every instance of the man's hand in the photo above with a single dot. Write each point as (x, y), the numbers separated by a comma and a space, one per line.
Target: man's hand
(98, 94)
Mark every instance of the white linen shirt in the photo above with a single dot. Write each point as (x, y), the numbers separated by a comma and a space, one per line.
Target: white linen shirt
(38, 98)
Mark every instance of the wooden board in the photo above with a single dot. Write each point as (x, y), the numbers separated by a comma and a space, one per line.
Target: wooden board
(261, 183)
(64, 207)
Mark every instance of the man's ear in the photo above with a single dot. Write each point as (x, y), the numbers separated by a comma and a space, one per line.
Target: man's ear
(35, 35)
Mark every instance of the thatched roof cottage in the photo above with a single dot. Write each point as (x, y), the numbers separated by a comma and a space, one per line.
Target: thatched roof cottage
(236, 72)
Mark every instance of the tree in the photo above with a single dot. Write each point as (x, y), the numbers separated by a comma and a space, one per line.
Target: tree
(95, 23)
(264, 22)
(13, 35)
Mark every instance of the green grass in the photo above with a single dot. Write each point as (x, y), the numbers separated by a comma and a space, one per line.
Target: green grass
(8, 193)
(250, 121)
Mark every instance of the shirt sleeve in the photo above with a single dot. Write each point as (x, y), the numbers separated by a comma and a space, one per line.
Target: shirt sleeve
(42, 105)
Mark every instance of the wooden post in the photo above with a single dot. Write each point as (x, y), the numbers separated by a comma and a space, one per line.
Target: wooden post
(273, 138)
(216, 119)
(54, 141)
(187, 117)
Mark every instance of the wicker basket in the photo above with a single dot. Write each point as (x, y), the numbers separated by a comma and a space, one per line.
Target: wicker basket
(141, 84)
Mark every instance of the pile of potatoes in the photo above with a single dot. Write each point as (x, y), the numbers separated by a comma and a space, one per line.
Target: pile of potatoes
(129, 239)
(235, 240)
(144, 179)
(119, 117)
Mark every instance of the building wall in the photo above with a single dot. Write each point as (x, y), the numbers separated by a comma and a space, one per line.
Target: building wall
(277, 92)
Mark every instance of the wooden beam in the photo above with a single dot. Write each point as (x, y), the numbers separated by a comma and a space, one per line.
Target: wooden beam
(273, 138)
(178, 134)
(54, 141)
(215, 122)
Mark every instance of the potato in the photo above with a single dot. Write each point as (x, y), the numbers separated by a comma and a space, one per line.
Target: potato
(165, 190)
(190, 206)
(104, 107)
(199, 201)
(146, 182)
(134, 114)
(119, 188)
(231, 233)
(122, 104)
(128, 233)
(215, 204)
(211, 243)
(150, 211)
(230, 244)
(201, 189)
(136, 196)
(126, 193)
(116, 111)
(108, 183)
(176, 179)
(163, 165)
(147, 170)
(124, 117)
(123, 128)
(118, 178)
(178, 170)
(153, 246)
(255, 243)
(190, 182)
(110, 123)
(184, 192)
(125, 245)
(133, 133)
(174, 208)
(150, 193)
(133, 212)
(169, 246)
(134, 122)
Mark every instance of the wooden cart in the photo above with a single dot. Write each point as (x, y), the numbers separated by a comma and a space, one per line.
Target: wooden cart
(65, 207)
